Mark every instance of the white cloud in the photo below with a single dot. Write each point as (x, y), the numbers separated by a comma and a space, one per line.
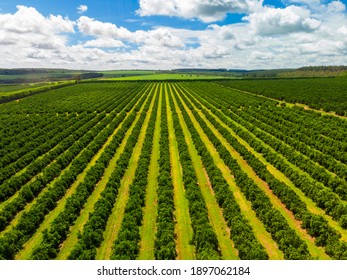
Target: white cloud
(60, 24)
(324, 47)
(267, 38)
(258, 55)
(5, 39)
(336, 7)
(272, 21)
(37, 54)
(311, 3)
(224, 32)
(28, 29)
(104, 43)
(27, 37)
(28, 20)
(90, 26)
(160, 36)
(342, 31)
(205, 10)
(81, 9)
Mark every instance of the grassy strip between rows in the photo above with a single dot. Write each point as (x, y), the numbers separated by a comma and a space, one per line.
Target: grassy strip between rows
(215, 214)
(235, 128)
(148, 228)
(315, 225)
(38, 237)
(72, 239)
(165, 239)
(127, 244)
(60, 227)
(204, 236)
(311, 206)
(104, 251)
(12, 242)
(293, 247)
(183, 229)
(316, 252)
(288, 161)
(92, 236)
(47, 167)
(259, 231)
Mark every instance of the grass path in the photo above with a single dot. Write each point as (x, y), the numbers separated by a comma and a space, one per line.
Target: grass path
(216, 218)
(317, 252)
(34, 177)
(30, 204)
(72, 239)
(148, 228)
(311, 206)
(25, 167)
(183, 229)
(260, 232)
(38, 237)
(115, 220)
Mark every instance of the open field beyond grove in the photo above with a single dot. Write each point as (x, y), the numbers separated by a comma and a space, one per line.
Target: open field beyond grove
(173, 170)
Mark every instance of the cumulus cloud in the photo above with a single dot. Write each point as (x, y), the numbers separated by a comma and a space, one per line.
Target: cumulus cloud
(6, 39)
(104, 43)
(224, 32)
(90, 26)
(28, 29)
(81, 9)
(28, 36)
(160, 36)
(311, 3)
(205, 10)
(272, 21)
(267, 37)
(29, 20)
(258, 55)
(342, 31)
(324, 48)
(336, 7)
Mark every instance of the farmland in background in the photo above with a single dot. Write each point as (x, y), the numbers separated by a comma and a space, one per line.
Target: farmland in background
(174, 170)
(171, 76)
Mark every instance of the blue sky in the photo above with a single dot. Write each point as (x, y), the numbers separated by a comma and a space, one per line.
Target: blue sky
(167, 34)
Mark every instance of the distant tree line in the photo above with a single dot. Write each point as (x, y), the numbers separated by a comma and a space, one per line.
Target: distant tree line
(18, 76)
(32, 91)
(324, 68)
